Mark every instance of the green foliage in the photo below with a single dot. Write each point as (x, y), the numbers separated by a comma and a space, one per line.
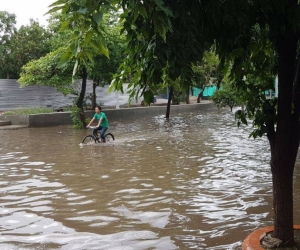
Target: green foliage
(148, 96)
(29, 43)
(7, 30)
(29, 111)
(178, 97)
(226, 96)
(75, 114)
(83, 21)
(103, 69)
(156, 46)
(75, 51)
(45, 71)
(167, 39)
(20, 46)
(258, 108)
(207, 70)
(87, 120)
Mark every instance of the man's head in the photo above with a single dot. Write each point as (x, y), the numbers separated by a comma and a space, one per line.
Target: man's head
(98, 109)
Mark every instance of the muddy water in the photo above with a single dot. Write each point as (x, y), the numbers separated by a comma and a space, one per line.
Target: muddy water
(196, 182)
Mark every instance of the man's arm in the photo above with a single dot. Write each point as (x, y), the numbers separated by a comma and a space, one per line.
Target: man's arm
(90, 122)
(99, 123)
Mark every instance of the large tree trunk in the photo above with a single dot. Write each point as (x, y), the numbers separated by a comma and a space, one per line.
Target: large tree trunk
(80, 99)
(283, 205)
(284, 145)
(171, 91)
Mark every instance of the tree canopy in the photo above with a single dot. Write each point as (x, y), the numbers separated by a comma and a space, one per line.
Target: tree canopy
(7, 30)
(19, 46)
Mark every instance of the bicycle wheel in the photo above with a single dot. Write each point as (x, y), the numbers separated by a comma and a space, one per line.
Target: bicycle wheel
(89, 139)
(109, 137)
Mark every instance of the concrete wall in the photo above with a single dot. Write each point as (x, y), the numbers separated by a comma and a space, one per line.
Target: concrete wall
(16, 119)
(64, 118)
(12, 97)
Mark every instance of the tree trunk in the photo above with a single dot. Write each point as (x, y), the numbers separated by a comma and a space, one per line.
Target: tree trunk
(283, 205)
(7, 75)
(169, 102)
(188, 95)
(94, 97)
(199, 96)
(219, 80)
(285, 143)
(80, 99)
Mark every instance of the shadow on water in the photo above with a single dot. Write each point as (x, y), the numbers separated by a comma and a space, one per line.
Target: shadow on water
(195, 182)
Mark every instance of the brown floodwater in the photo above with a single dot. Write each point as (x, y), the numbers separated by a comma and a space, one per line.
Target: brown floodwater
(195, 182)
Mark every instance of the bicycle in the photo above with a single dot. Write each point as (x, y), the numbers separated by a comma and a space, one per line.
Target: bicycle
(91, 139)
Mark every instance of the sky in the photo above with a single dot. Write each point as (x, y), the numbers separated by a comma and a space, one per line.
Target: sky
(26, 9)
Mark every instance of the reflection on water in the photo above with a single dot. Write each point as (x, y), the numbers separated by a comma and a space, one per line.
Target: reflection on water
(196, 182)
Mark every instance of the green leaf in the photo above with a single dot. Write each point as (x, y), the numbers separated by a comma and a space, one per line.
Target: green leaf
(103, 50)
(88, 36)
(59, 2)
(55, 9)
(73, 48)
(159, 3)
(66, 57)
(90, 56)
(243, 120)
(65, 25)
(148, 96)
(98, 17)
(143, 11)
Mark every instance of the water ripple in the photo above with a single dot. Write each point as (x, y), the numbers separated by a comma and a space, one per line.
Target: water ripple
(193, 182)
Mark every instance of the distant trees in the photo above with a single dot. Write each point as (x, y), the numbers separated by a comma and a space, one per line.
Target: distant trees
(19, 46)
(7, 30)
(207, 71)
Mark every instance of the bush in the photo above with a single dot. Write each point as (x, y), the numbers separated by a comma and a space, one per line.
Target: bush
(225, 97)
(178, 97)
(75, 114)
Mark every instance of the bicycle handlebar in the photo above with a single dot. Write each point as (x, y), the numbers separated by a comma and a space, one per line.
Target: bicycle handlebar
(91, 127)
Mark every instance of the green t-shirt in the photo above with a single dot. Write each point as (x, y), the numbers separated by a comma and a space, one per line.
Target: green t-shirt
(104, 122)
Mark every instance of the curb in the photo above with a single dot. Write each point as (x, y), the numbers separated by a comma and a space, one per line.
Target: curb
(5, 123)
(12, 127)
(252, 241)
(65, 118)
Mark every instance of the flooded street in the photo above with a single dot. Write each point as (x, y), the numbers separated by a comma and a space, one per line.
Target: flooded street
(195, 182)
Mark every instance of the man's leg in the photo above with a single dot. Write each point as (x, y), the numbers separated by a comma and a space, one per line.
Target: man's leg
(102, 135)
(95, 133)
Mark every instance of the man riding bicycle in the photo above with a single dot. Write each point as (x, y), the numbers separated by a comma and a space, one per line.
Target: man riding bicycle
(102, 120)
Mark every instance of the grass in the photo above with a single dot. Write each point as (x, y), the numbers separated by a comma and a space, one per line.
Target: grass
(29, 111)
